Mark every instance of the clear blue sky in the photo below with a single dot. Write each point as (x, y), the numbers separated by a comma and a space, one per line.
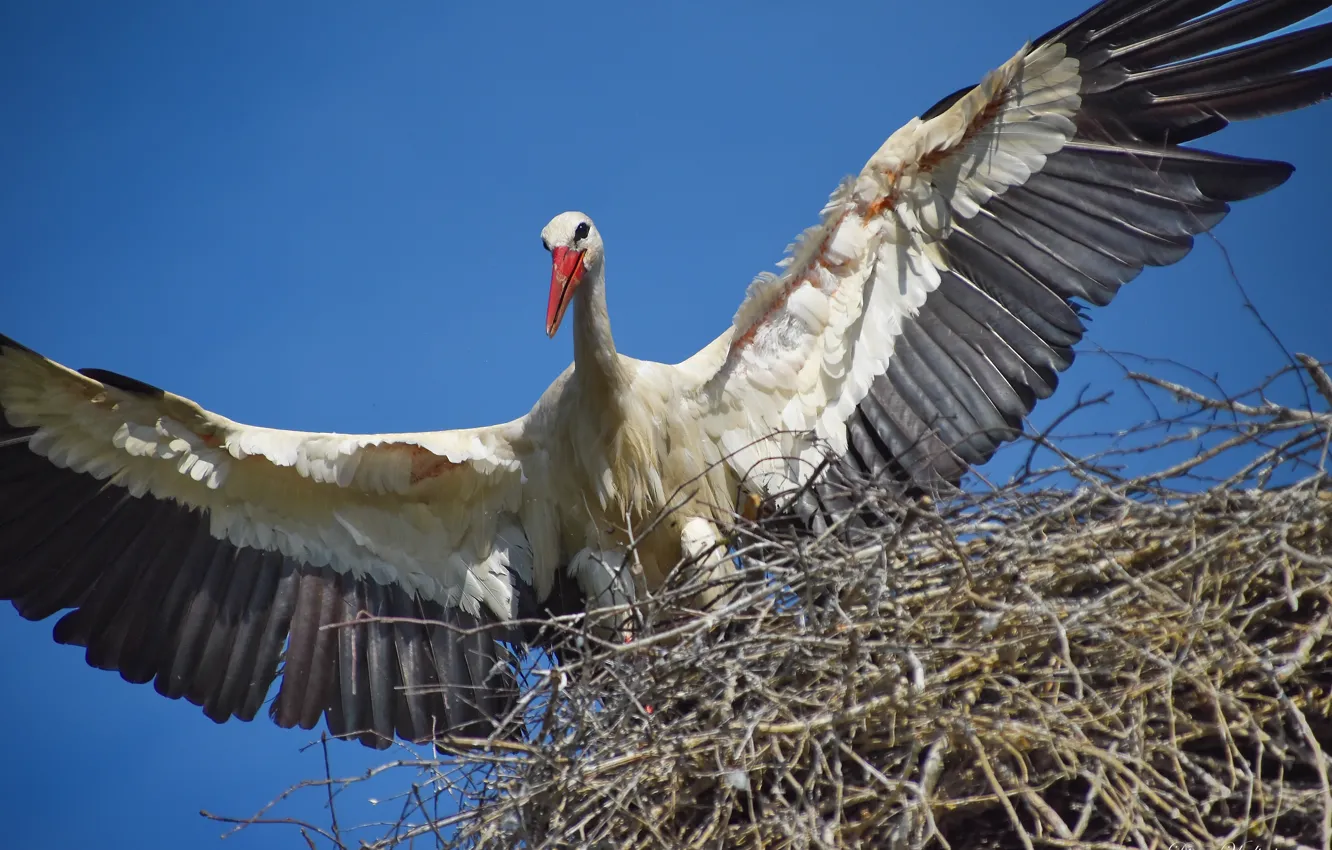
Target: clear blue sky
(325, 216)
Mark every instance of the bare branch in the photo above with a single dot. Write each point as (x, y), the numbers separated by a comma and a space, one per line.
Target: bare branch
(1129, 646)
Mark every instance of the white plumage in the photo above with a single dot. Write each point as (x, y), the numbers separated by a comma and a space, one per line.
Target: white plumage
(905, 338)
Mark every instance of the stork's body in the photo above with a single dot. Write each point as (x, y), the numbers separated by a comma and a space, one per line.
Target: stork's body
(906, 338)
(621, 445)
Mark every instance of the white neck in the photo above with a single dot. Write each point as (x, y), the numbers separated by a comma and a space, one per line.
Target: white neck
(596, 365)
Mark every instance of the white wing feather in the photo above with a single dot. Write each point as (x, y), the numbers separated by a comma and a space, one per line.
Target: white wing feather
(387, 505)
(806, 345)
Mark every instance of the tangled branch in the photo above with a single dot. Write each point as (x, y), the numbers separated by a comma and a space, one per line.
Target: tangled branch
(1082, 658)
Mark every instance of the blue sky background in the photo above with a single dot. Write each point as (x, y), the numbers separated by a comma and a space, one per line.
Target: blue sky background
(325, 216)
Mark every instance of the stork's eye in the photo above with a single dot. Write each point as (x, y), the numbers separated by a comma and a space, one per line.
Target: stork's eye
(580, 232)
(545, 244)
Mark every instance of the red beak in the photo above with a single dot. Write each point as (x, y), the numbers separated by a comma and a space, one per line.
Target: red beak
(566, 271)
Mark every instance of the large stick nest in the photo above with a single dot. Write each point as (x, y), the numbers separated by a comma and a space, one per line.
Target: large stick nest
(1082, 658)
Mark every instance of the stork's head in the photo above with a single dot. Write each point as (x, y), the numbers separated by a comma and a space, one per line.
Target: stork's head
(575, 251)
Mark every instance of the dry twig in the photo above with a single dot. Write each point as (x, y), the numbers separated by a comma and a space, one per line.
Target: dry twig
(1080, 659)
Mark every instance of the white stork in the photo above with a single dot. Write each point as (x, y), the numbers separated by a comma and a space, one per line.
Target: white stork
(907, 336)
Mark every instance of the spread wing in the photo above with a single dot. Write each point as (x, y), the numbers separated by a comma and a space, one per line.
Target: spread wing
(940, 295)
(202, 554)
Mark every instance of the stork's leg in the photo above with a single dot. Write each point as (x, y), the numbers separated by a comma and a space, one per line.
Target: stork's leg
(607, 582)
(701, 542)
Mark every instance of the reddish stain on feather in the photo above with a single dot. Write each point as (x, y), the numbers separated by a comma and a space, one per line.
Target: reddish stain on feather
(875, 208)
(980, 122)
(427, 464)
(934, 158)
(883, 203)
(818, 259)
